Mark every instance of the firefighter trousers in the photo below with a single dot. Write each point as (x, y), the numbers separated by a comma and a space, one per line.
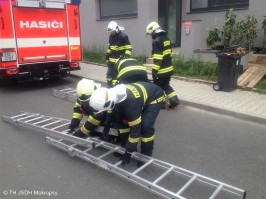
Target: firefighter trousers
(164, 83)
(109, 74)
(148, 117)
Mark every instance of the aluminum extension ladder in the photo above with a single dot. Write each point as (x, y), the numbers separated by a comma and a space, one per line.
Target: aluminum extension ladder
(68, 93)
(159, 177)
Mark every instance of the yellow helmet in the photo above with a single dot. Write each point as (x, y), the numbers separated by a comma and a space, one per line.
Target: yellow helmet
(152, 27)
(85, 88)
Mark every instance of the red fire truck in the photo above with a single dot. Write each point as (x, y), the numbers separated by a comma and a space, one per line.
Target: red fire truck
(39, 39)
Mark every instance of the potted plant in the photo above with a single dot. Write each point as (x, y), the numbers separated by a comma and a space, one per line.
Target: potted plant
(264, 38)
(250, 28)
(230, 19)
(213, 37)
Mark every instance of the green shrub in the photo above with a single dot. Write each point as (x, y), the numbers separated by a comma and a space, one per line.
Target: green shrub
(94, 54)
(262, 86)
(195, 68)
(97, 54)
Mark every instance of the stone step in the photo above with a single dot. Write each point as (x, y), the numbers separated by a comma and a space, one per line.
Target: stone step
(149, 61)
(148, 66)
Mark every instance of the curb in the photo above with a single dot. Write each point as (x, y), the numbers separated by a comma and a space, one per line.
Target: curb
(182, 78)
(223, 111)
(202, 106)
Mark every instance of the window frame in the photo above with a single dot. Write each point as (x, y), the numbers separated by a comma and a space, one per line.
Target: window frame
(120, 16)
(219, 8)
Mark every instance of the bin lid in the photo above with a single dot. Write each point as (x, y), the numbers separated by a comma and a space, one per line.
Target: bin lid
(234, 51)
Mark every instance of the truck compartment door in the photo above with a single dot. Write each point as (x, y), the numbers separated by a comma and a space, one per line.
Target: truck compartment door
(41, 34)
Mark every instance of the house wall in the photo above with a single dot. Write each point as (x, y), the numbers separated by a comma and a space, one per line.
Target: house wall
(256, 8)
(94, 30)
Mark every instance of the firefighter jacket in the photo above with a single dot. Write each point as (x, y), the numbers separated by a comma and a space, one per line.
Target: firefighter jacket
(119, 45)
(128, 69)
(140, 95)
(162, 55)
(92, 122)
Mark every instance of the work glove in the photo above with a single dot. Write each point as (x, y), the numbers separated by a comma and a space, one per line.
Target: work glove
(125, 158)
(106, 129)
(70, 130)
(79, 134)
(154, 74)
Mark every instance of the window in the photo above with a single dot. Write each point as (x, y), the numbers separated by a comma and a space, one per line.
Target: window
(118, 9)
(206, 5)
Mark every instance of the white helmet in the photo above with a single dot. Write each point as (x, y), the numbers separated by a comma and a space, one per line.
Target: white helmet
(103, 99)
(112, 26)
(152, 27)
(85, 88)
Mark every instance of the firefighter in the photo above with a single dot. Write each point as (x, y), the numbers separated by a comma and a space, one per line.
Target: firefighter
(85, 88)
(162, 58)
(119, 45)
(139, 103)
(128, 70)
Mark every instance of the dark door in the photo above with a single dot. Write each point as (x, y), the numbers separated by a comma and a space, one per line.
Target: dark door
(170, 19)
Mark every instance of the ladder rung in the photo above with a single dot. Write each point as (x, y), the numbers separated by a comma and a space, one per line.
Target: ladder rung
(100, 144)
(18, 115)
(118, 163)
(51, 123)
(87, 150)
(143, 166)
(71, 91)
(26, 117)
(33, 119)
(216, 192)
(186, 185)
(163, 175)
(72, 145)
(60, 126)
(106, 154)
(42, 121)
(65, 89)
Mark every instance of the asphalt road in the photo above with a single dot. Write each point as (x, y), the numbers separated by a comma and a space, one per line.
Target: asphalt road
(220, 147)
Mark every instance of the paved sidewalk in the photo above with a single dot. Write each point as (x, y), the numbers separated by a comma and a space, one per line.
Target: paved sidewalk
(239, 103)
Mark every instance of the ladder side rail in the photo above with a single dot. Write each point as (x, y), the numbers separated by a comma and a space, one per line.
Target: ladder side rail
(8, 120)
(60, 135)
(13, 119)
(202, 178)
(190, 174)
(121, 172)
(215, 183)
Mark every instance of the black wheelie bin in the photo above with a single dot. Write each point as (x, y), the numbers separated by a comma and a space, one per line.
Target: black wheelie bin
(228, 68)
